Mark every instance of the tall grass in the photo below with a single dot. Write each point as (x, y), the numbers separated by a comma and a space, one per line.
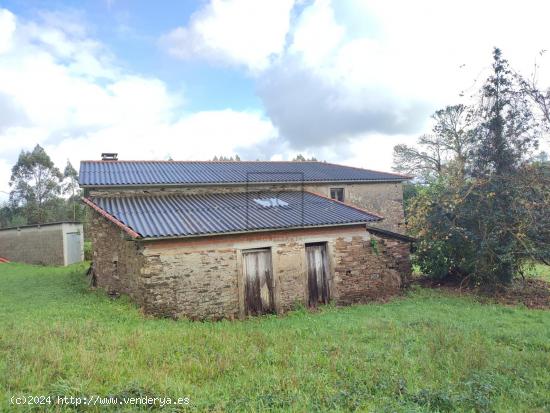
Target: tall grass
(425, 352)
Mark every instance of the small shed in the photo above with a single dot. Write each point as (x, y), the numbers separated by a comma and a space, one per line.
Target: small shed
(56, 243)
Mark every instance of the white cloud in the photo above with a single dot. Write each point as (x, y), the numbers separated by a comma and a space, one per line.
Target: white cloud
(352, 67)
(200, 135)
(316, 34)
(374, 151)
(238, 32)
(338, 82)
(61, 90)
(7, 28)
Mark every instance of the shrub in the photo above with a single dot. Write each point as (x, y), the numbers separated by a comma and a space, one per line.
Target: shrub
(88, 250)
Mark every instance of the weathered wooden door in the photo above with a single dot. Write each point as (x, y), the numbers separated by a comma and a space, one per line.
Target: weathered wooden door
(258, 275)
(318, 274)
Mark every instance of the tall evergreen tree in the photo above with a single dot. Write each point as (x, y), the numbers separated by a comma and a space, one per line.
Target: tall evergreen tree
(486, 225)
(507, 130)
(506, 134)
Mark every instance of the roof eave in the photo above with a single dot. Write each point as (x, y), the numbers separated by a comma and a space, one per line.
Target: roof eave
(390, 234)
(217, 234)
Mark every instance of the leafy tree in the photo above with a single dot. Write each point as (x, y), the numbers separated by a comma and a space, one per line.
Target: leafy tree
(70, 179)
(410, 191)
(11, 216)
(445, 149)
(34, 181)
(541, 157)
(484, 223)
(426, 162)
(540, 97)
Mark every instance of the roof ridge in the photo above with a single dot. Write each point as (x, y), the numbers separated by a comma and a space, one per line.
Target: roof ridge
(195, 161)
(164, 194)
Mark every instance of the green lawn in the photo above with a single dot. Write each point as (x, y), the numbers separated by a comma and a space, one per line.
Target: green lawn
(425, 352)
(538, 270)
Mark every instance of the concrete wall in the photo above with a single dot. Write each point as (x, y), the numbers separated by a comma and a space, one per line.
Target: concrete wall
(202, 278)
(45, 245)
(382, 198)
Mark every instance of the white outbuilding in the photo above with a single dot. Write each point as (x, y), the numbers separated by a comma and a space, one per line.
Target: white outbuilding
(57, 243)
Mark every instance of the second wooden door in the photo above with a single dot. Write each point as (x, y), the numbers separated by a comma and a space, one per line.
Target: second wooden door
(318, 274)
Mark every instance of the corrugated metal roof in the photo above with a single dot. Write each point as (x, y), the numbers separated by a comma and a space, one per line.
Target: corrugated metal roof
(191, 215)
(108, 173)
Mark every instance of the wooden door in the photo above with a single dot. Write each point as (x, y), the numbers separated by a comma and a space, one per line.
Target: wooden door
(318, 274)
(258, 275)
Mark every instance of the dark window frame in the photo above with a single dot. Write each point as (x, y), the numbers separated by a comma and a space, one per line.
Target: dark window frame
(338, 191)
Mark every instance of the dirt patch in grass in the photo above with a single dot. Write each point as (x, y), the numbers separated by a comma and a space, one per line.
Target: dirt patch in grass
(531, 292)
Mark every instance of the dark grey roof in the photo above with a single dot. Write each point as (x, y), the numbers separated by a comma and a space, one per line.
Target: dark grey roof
(391, 234)
(115, 173)
(191, 215)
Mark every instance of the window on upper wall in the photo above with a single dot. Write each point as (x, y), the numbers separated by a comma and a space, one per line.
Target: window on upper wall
(337, 193)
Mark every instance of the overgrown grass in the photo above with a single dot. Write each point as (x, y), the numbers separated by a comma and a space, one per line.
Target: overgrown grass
(538, 270)
(426, 352)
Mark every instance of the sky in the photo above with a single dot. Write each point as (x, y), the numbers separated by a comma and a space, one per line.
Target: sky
(341, 80)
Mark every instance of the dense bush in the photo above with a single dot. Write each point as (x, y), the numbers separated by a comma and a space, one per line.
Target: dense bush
(465, 231)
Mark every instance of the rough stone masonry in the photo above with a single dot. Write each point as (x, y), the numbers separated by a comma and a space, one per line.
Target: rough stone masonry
(202, 278)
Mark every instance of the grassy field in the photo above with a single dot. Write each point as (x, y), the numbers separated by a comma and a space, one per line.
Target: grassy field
(538, 270)
(425, 352)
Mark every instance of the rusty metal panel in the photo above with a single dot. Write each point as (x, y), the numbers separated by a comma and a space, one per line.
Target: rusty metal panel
(258, 273)
(318, 274)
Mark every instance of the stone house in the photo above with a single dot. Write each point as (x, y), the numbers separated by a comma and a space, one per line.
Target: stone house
(211, 240)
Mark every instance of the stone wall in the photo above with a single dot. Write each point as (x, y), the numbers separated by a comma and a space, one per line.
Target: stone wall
(33, 245)
(385, 199)
(202, 278)
(368, 267)
(193, 283)
(382, 198)
(118, 262)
